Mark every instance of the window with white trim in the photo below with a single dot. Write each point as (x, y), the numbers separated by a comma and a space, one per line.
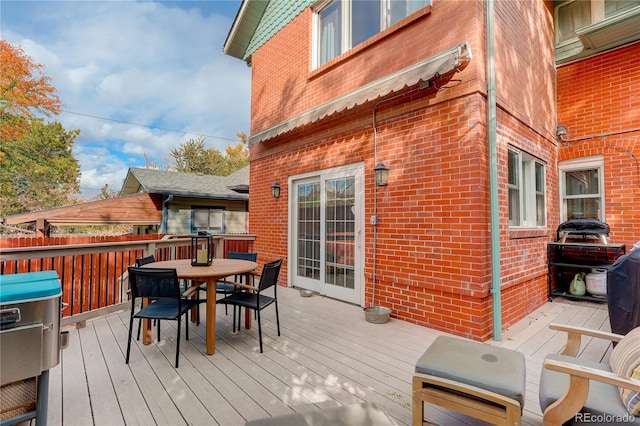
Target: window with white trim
(573, 15)
(343, 24)
(582, 188)
(527, 192)
(208, 219)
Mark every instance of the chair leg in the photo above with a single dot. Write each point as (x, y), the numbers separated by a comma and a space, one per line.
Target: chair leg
(186, 326)
(129, 340)
(158, 330)
(139, 324)
(234, 318)
(277, 317)
(178, 340)
(259, 329)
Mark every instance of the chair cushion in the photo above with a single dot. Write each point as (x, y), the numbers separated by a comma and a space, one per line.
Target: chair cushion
(477, 364)
(225, 288)
(625, 361)
(603, 400)
(165, 309)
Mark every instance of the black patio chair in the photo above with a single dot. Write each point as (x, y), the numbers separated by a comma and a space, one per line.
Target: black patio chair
(226, 288)
(255, 298)
(163, 287)
(140, 262)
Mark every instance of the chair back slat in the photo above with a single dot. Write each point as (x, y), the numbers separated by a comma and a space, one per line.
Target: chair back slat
(242, 256)
(269, 277)
(145, 260)
(154, 283)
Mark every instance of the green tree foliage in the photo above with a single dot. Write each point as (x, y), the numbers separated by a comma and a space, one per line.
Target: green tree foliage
(38, 170)
(193, 157)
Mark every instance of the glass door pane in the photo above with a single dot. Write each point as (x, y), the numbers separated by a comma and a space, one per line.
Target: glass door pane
(308, 230)
(340, 232)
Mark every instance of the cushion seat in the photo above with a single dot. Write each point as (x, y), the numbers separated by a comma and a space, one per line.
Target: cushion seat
(603, 398)
(472, 378)
(484, 366)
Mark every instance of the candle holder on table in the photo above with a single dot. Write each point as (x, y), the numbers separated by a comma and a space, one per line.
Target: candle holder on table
(201, 249)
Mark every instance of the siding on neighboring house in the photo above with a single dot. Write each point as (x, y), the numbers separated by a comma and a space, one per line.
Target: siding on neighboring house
(180, 215)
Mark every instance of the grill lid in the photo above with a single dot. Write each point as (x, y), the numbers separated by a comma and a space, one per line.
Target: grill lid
(29, 287)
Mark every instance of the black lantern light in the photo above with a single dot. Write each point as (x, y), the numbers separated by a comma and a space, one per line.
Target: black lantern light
(201, 249)
(382, 174)
(275, 190)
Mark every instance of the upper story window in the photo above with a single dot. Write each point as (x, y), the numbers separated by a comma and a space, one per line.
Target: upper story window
(343, 24)
(582, 189)
(573, 15)
(527, 193)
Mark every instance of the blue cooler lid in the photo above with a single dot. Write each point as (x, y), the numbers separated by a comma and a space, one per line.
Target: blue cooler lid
(29, 286)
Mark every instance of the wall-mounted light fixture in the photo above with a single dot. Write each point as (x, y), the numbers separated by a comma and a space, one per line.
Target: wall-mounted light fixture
(561, 131)
(275, 189)
(382, 174)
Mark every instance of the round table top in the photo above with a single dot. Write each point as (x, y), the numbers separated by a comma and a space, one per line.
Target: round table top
(218, 267)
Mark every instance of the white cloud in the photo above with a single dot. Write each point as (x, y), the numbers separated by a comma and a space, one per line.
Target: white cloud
(141, 62)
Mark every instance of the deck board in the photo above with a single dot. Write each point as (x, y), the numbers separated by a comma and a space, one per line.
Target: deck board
(327, 355)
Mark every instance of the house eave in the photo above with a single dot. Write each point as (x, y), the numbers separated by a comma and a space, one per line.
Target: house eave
(243, 28)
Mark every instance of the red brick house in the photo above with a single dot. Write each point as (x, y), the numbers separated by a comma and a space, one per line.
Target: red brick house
(461, 100)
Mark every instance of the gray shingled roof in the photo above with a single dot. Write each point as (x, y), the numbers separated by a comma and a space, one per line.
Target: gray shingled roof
(186, 184)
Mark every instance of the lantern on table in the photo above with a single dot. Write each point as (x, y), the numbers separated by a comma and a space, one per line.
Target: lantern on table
(201, 249)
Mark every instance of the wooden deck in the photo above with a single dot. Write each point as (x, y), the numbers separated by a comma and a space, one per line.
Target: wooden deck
(327, 355)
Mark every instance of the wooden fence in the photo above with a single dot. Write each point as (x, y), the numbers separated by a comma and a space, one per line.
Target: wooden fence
(92, 270)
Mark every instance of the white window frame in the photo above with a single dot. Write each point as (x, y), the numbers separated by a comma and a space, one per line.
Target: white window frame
(345, 42)
(527, 193)
(584, 163)
(215, 219)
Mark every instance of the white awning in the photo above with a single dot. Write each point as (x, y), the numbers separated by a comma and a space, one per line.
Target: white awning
(424, 70)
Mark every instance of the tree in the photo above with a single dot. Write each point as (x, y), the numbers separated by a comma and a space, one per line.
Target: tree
(237, 157)
(38, 171)
(106, 192)
(24, 92)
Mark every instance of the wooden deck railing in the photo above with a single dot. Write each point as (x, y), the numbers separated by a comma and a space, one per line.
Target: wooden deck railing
(94, 276)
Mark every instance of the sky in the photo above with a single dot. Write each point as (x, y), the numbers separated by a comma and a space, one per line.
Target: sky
(156, 65)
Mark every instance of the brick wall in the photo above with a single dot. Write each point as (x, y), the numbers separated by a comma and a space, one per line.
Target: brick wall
(598, 101)
(433, 260)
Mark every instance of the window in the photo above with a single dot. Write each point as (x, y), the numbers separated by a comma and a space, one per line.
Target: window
(573, 15)
(343, 24)
(527, 193)
(581, 189)
(208, 219)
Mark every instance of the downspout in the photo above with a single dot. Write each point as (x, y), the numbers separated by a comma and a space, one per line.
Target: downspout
(493, 174)
(165, 214)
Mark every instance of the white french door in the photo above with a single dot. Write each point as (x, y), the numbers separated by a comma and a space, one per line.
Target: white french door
(326, 232)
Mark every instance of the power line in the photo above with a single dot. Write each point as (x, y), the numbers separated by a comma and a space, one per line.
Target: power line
(148, 127)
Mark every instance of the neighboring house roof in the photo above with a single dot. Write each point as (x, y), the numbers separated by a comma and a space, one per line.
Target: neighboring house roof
(145, 209)
(257, 21)
(186, 184)
(140, 200)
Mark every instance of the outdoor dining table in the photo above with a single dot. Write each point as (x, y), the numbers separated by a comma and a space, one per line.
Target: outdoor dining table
(218, 269)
